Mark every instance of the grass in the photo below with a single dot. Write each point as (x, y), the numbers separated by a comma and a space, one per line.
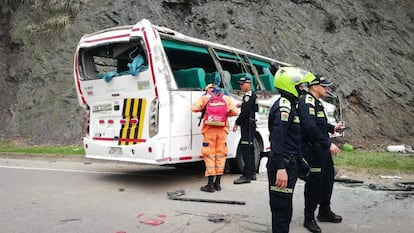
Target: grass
(356, 159)
(375, 161)
(14, 148)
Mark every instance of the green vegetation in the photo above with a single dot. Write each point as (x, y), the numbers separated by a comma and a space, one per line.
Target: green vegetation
(11, 147)
(47, 15)
(355, 159)
(378, 161)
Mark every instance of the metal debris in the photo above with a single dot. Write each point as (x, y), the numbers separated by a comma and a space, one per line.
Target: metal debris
(216, 218)
(177, 196)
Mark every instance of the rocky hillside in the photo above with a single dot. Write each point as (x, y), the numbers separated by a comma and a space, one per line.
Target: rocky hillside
(365, 46)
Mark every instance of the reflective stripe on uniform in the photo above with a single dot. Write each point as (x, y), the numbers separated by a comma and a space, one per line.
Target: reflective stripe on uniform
(296, 119)
(320, 114)
(281, 190)
(309, 100)
(246, 142)
(315, 169)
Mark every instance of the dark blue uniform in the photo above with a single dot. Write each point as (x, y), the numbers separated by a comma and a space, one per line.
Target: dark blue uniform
(316, 141)
(247, 122)
(286, 147)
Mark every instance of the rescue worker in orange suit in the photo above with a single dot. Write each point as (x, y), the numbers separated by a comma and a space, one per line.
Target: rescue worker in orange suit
(214, 149)
(246, 121)
(286, 146)
(318, 151)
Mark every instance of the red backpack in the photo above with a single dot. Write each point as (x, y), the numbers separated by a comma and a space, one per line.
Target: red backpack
(216, 111)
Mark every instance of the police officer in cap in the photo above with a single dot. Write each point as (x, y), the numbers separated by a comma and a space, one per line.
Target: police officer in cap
(246, 121)
(318, 150)
(286, 145)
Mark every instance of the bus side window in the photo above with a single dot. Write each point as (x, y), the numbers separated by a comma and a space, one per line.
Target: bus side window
(236, 77)
(214, 78)
(267, 80)
(190, 78)
(210, 77)
(227, 79)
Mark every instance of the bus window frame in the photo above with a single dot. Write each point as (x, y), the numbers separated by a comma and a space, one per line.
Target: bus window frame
(83, 58)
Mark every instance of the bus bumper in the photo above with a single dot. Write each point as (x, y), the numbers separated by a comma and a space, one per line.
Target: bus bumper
(150, 152)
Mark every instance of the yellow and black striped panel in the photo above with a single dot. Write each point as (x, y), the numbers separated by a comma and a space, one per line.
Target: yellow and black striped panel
(131, 133)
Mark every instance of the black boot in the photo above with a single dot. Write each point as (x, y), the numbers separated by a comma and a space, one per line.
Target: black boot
(311, 224)
(254, 177)
(217, 185)
(242, 180)
(209, 187)
(326, 215)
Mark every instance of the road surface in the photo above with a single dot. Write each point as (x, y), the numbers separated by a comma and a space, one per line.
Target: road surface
(55, 194)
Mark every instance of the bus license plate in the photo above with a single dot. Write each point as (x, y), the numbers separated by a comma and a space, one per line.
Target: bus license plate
(115, 151)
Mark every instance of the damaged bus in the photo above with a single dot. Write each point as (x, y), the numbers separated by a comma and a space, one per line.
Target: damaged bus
(138, 82)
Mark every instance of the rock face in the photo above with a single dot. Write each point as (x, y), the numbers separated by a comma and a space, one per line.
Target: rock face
(365, 47)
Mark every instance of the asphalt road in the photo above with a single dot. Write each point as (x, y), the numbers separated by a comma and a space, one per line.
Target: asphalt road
(53, 194)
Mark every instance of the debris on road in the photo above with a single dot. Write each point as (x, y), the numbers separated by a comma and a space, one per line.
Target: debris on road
(390, 177)
(177, 196)
(406, 185)
(387, 187)
(348, 180)
(152, 221)
(216, 218)
(347, 147)
(400, 148)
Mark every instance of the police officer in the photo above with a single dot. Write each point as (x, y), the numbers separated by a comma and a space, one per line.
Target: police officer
(318, 150)
(246, 121)
(286, 145)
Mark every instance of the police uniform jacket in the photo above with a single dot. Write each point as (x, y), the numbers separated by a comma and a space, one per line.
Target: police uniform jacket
(285, 132)
(314, 122)
(248, 109)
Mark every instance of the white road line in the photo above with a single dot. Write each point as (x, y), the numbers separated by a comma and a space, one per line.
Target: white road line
(65, 170)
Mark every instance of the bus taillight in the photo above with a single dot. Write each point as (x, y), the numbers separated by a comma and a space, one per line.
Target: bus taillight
(153, 118)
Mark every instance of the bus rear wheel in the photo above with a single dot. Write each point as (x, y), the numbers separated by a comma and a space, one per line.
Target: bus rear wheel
(237, 164)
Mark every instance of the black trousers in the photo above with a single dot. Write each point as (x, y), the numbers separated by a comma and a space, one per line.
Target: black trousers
(319, 186)
(247, 149)
(281, 201)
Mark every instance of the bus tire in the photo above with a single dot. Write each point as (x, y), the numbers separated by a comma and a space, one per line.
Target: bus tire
(237, 164)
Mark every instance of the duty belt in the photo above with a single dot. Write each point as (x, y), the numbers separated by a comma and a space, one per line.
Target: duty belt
(290, 157)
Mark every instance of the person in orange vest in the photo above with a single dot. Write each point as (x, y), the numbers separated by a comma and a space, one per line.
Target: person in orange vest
(214, 148)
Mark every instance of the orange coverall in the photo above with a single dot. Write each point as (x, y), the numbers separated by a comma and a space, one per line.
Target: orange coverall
(214, 148)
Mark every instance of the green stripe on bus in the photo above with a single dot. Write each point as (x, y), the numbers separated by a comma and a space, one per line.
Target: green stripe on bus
(183, 46)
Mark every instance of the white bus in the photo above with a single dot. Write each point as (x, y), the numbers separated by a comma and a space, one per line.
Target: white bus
(138, 83)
